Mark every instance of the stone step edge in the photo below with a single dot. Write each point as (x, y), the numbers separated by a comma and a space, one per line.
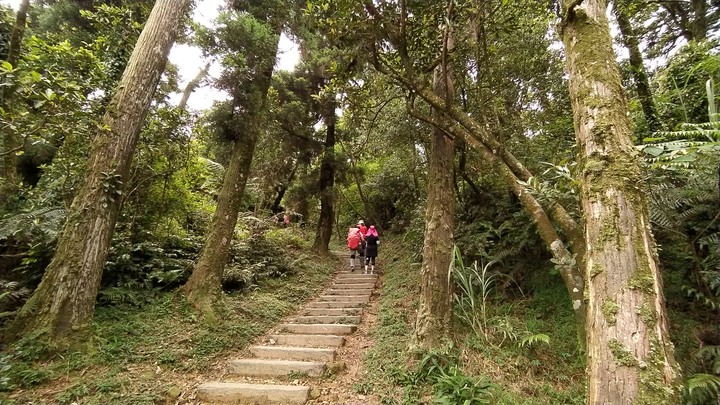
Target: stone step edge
(233, 392)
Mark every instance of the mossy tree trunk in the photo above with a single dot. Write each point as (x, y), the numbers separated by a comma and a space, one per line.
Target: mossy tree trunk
(204, 288)
(630, 357)
(327, 182)
(62, 306)
(11, 140)
(434, 316)
(639, 73)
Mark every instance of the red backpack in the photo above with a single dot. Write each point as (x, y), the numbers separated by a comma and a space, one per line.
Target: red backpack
(353, 239)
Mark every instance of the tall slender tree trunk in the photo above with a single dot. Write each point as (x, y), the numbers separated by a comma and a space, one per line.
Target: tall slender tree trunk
(11, 140)
(192, 85)
(358, 184)
(204, 288)
(62, 305)
(630, 357)
(434, 316)
(327, 182)
(700, 21)
(642, 84)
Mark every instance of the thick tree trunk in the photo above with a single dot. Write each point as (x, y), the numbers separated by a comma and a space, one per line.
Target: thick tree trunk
(62, 305)
(11, 140)
(204, 288)
(630, 357)
(434, 315)
(327, 182)
(642, 84)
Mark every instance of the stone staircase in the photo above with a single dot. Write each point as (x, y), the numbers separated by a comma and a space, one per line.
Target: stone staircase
(306, 345)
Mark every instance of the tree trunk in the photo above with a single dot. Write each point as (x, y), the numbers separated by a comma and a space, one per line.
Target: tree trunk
(700, 21)
(642, 84)
(282, 189)
(62, 305)
(192, 85)
(358, 184)
(434, 316)
(327, 181)
(204, 288)
(629, 357)
(11, 140)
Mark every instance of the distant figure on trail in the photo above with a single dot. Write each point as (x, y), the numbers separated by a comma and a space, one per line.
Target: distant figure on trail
(286, 219)
(363, 230)
(354, 239)
(372, 240)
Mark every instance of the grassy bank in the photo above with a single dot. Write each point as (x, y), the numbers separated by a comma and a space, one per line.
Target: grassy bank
(493, 361)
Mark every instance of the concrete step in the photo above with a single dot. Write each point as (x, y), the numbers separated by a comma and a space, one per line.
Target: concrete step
(334, 291)
(318, 328)
(234, 393)
(265, 367)
(352, 319)
(354, 280)
(353, 286)
(293, 353)
(308, 340)
(346, 298)
(335, 304)
(356, 274)
(332, 311)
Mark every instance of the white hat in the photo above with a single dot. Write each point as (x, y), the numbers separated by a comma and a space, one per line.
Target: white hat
(361, 222)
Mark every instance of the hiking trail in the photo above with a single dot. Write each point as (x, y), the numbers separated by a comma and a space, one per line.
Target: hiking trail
(312, 357)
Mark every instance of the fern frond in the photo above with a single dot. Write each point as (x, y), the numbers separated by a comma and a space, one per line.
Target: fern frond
(704, 382)
(531, 340)
(47, 222)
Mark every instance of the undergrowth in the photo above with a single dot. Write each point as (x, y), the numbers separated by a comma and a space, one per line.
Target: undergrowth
(545, 370)
(142, 352)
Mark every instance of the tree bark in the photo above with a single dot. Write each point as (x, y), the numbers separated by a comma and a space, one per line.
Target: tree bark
(642, 84)
(62, 306)
(630, 357)
(434, 316)
(327, 182)
(11, 140)
(204, 288)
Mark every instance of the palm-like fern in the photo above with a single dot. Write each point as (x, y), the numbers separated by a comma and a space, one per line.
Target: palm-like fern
(39, 225)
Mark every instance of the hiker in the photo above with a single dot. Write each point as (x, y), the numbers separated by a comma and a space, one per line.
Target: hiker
(372, 240)
(354, 239)
(363, 230)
